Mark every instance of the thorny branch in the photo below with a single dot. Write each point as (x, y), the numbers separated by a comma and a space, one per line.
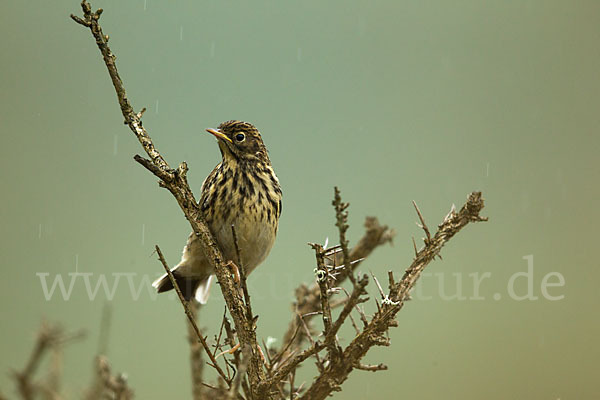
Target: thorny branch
(323, 277)
(374, 333)
(334, 265)
(341, 362)
(341, 216)
(308, 300)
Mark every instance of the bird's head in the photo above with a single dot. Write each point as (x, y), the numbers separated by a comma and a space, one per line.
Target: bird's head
(240, 141)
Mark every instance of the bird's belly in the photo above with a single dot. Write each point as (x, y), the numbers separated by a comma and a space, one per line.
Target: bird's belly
(255, 239)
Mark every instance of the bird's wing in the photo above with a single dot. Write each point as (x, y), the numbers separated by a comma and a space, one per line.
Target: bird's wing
(206, 195)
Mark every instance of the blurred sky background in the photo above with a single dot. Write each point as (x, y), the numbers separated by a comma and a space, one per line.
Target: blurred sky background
(392, 101)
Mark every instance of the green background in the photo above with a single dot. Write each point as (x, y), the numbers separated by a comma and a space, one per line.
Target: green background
(392, 101)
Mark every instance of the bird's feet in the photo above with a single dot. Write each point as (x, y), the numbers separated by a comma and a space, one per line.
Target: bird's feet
(230, 351)
(237, 347)
(234, 271)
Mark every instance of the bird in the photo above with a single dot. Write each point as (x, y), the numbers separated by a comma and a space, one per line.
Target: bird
(241, 191)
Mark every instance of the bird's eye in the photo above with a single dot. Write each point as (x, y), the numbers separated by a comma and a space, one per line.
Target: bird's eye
(240, 137)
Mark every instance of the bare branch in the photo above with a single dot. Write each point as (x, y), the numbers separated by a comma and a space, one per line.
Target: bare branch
(176, 182)
(280, 354)
(241, 372)
(415, 246)
(243, 275)
(341, 216)
(391, 280)
(360, 312)
(423, 224)
(292, 364)
(113, 387)
(372, 368)
(323, 281)
(50, 337)
(190, 315)
(381, 292)
(196, 362)
(352, 301)
(306, 328)
(218, 339)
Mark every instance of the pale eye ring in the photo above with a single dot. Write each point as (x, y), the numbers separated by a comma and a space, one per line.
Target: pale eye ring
(240, 137)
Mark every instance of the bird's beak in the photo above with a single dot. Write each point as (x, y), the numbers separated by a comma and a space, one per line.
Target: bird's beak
(218, 134)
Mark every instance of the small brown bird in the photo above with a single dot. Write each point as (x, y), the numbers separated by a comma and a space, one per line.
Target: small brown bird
(242, 191)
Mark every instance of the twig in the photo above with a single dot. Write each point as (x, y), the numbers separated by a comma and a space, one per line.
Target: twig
(354, 323)
(292, 377)
(190, 315)
(109, 386)
(243, 275)
(391, 280)
(381, 292)
(415, 246)
(241, 372)
(287, 346)
(423, 224)
(306, 328)
(358, 290)
(372, 368)
(218, 340)
(115, 386)
(360, 312)
(211, 386)
(196, 362)
(231, 341)
(323, 282)
(341, 216)
(269, 361)
(236, 357)
(289, 366)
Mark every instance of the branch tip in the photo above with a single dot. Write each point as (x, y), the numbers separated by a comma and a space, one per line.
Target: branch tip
(423, 224)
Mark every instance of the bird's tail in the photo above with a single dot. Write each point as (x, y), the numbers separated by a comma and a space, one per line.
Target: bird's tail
(191, 287)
